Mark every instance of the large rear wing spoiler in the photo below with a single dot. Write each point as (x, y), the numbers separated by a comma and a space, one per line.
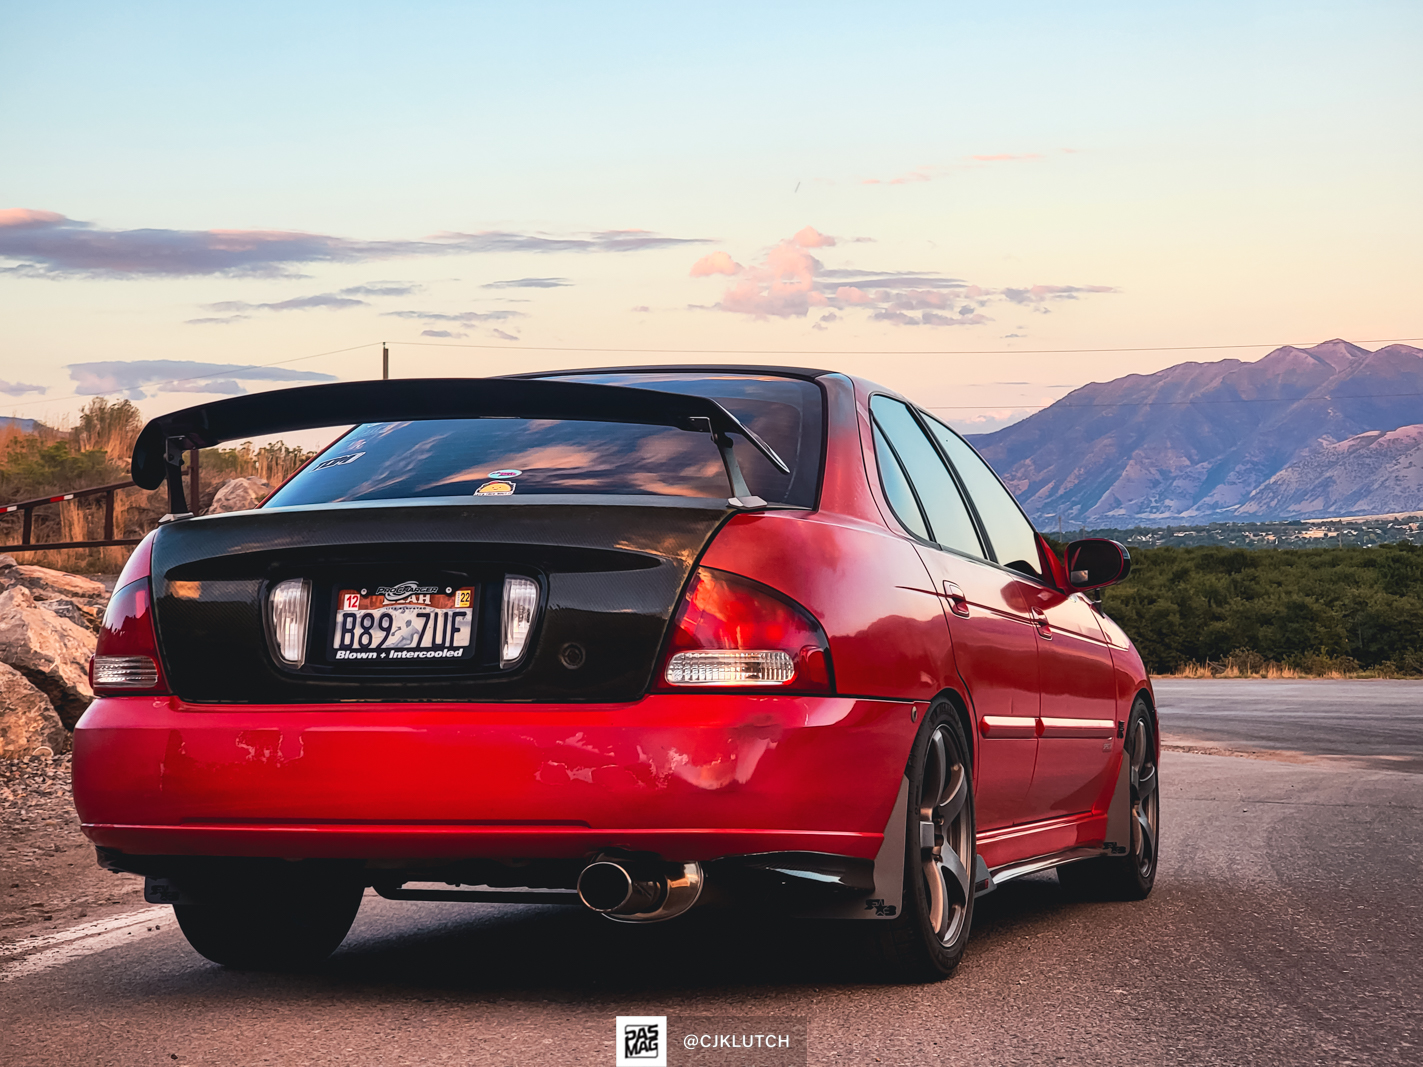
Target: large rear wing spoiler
(158, 453)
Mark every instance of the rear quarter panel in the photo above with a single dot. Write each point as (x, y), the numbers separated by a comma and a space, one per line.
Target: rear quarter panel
(867, 587)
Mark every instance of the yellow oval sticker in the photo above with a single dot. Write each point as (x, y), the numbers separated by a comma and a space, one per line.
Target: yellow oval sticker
(495, 489)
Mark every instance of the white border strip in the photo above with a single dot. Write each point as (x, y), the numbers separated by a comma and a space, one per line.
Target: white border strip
(78, 941)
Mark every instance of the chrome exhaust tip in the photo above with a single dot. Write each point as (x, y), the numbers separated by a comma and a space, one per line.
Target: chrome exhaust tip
(635, 894)
(612, 889)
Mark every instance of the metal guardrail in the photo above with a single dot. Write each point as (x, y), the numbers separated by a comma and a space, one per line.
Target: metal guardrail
(28, 544)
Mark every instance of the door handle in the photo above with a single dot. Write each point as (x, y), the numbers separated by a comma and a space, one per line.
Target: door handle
(958, 603)
(1040, 621)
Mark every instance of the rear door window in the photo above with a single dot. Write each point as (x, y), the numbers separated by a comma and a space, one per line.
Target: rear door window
(1013, 541)
(950, 523)
(897, 489)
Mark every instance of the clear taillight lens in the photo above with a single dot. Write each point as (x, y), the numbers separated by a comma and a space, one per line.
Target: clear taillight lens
(731, 631)
(288, 608)
(125, 672)
(126, 655)
(730, 668)
(521, 603)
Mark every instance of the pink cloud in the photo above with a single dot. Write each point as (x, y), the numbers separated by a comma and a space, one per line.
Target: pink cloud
(21, 217)
(1004, 157)
(784, 286)
(715, 263)
(49, 244)
(918, 174)
(810, 237)
(1037, 294)
(790, 282)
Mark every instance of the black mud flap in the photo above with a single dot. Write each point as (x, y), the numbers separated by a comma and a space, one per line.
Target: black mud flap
(1118, 837)
(886, 900)
(983, 882)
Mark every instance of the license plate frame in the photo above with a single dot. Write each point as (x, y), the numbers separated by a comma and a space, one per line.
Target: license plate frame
(406, 625)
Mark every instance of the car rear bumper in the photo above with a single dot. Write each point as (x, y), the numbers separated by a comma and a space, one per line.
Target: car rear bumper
(688, 777)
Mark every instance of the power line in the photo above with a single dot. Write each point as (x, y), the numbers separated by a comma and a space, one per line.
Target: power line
(806, 352)
(1175, 403)
(877, 351)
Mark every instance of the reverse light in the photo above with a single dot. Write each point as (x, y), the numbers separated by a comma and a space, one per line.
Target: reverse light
(288, 608)
(731, 631)
(126, 656)
(521, 602)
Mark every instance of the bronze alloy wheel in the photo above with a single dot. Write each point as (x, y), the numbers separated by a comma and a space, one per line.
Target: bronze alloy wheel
(1128, 877)
(926, 940)
(1145, 801)
(945, 837)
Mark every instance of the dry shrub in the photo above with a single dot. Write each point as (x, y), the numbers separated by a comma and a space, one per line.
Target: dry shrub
(275, 462)
(1247, 663)
(105, 436)
(110, 426)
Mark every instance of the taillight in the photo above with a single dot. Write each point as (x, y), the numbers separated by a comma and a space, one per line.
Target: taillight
(288, 607)
(521, 603)
(731, 631)
(126, 658)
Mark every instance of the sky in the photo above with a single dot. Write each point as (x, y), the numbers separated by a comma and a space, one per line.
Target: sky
(981, 206)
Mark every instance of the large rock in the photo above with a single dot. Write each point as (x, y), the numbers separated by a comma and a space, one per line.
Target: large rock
(79, 599)
(46, 583)
(77, 612)
(28, 723)
(239, 494)
(49, 650)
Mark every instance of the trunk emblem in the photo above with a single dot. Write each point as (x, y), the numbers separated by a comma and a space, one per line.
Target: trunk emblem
(396, 593)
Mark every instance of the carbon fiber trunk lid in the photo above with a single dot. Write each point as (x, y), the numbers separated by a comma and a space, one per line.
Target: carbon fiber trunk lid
(609, 569)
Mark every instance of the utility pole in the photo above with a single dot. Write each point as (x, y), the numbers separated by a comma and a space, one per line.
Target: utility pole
(384, 361)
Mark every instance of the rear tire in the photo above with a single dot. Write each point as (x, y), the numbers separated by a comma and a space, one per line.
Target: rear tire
(926, 941)
(1132, 876)
(272, 935)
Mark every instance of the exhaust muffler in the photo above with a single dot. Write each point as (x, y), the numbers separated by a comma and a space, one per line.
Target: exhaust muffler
(637, 893)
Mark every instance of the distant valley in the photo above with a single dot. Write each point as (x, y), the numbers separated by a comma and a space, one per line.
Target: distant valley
(1327, 431)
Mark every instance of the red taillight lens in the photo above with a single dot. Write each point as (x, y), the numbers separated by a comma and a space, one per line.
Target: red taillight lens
(731, 631)
(126, 659)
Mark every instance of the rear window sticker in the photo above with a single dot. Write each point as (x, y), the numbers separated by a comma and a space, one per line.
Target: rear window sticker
(339, 461)
(499, 488)
(511, 473)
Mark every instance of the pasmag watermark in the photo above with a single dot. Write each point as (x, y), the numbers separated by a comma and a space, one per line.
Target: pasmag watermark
(710, 1041)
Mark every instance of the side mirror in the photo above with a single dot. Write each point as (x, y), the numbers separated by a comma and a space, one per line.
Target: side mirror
(1096, 562)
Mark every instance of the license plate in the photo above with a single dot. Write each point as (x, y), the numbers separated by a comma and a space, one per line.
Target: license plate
(403, 625)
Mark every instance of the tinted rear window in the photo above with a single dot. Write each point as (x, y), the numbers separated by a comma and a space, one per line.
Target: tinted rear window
(523, 457)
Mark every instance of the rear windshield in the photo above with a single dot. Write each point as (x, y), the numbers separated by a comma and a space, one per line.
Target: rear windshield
(528, 457)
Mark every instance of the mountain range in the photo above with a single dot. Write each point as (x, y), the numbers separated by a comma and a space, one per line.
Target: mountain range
(1319, 432)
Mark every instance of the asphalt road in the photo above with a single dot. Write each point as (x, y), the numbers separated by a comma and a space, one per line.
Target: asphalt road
(1374, 723)
(1285, 929)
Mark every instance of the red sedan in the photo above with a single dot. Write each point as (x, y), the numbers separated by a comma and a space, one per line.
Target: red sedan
(627, 639)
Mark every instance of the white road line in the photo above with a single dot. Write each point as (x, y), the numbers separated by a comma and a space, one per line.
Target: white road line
(38, 954)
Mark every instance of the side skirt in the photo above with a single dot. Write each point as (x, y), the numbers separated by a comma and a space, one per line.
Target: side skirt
(1042, 863)
(1115, 839)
